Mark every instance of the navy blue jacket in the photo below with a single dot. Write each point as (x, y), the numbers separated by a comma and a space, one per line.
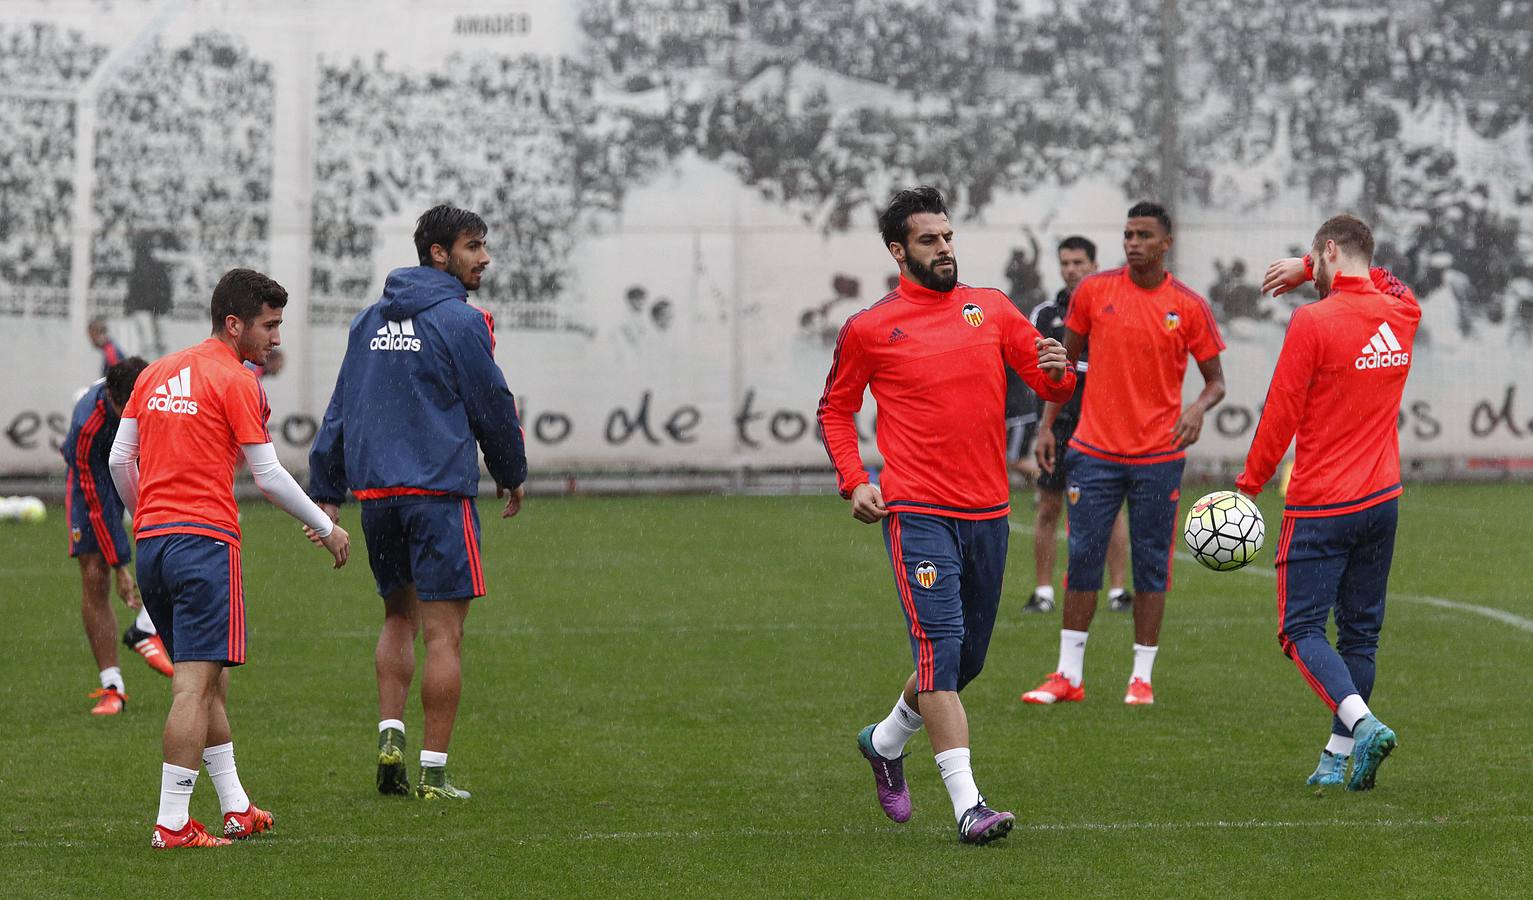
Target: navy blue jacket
(92, 428)
(418, 388)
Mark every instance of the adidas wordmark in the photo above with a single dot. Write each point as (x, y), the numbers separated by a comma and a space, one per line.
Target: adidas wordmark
(397, 336)
(1382, 351)
(175, 395)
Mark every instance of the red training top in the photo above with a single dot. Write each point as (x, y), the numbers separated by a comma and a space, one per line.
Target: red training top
(936, 364)
(1139, 345)
(1338, 383)
(194, 409)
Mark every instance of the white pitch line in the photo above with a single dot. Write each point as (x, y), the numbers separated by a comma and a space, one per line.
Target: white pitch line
(1489, 612)
(867, 831)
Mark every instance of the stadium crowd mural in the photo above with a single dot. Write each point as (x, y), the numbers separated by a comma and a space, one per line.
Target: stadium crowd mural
(681, 192)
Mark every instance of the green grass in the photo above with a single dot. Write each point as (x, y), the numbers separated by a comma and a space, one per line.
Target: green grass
(662, 696)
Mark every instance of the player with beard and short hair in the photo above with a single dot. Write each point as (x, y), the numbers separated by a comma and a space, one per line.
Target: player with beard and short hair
(193, 416)
(1132, 439)
(934, 352)
(418, 389)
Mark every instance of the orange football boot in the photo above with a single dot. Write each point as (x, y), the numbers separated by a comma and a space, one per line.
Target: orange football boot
(151, 648)
(251, 822)
(192, 834)
(110, 703)
(1139, 693)
(1057, 689)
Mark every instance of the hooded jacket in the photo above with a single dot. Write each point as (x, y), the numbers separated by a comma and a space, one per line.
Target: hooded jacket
(418, 388)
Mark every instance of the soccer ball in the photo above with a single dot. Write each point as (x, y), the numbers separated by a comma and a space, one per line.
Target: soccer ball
(1224, 530)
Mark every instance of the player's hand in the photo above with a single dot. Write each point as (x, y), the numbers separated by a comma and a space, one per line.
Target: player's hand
(1283, 275)
(329, 509)
(338, 542)
(868, 503)
(127, 588)
(1028, 466)
(1044, 449)
(1188, 427)
(1051, 357)
(514, 499)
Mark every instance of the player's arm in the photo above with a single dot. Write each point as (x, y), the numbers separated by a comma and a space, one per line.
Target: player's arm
(1189, 425)
(1039, 360)
(1284, 406)
(327, 457)
(492, 414)
(849, 375)
(1283, 275)
(280, 488)
(123, 462)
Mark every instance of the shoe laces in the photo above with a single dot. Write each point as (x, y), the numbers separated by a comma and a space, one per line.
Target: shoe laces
(107, 692)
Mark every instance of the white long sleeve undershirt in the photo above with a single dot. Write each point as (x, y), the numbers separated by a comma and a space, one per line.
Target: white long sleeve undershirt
(273, 480)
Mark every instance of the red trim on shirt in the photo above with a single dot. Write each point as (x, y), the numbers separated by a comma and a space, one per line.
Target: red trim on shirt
(384, 493)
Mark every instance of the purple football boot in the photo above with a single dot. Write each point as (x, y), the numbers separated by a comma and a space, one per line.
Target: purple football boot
(888, 778)
(981, 824)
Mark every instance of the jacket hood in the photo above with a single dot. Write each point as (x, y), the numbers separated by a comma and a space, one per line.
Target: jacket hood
(408, 291)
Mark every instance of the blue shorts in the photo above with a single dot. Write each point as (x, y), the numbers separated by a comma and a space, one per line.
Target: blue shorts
(195, 594)
(948, 575)
(1096, 491)
(1340, 564)
(432, 543)
(95, 521)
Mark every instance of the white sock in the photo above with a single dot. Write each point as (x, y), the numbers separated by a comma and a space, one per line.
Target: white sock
(220, 763)
(1351, 710)
(959, 778)
(144, 623)
(1072, 654)
(1045, 592)
(1144, 661)
(433, 759)
(111, 677)
(1115, 593)
(391, 723)
(176, 786)
(890, 735)
(1341, 746)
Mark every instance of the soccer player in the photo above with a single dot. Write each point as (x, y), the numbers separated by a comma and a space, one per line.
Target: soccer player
(424, 357)
(932, 352)
(1077, 259)
(111, 354)
(1132, 439)
(98, 540)
(193, 415)
(1337, 388)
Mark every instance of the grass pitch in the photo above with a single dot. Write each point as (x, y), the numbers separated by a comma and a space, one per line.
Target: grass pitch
(662, 697)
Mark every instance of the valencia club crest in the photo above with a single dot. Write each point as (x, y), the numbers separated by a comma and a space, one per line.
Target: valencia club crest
(926, 574)
(973, 314)
(1172, 320)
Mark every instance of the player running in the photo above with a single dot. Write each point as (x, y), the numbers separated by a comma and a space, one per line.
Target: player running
(193, 416)
(97, 538)
(934, 351)
(1077, 259)
(1337, 387)
(424, 357)
(1132, 439)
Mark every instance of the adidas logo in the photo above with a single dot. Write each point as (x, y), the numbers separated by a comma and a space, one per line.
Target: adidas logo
(186, 782)
(897, 335)
(1109, 309)
(175, 395)
(1382, 351)
(397, 336)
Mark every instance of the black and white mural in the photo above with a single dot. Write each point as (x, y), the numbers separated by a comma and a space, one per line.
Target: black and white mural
(681, 193)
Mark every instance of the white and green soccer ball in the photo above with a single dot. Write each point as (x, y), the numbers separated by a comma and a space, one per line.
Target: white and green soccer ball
(1224, 530)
